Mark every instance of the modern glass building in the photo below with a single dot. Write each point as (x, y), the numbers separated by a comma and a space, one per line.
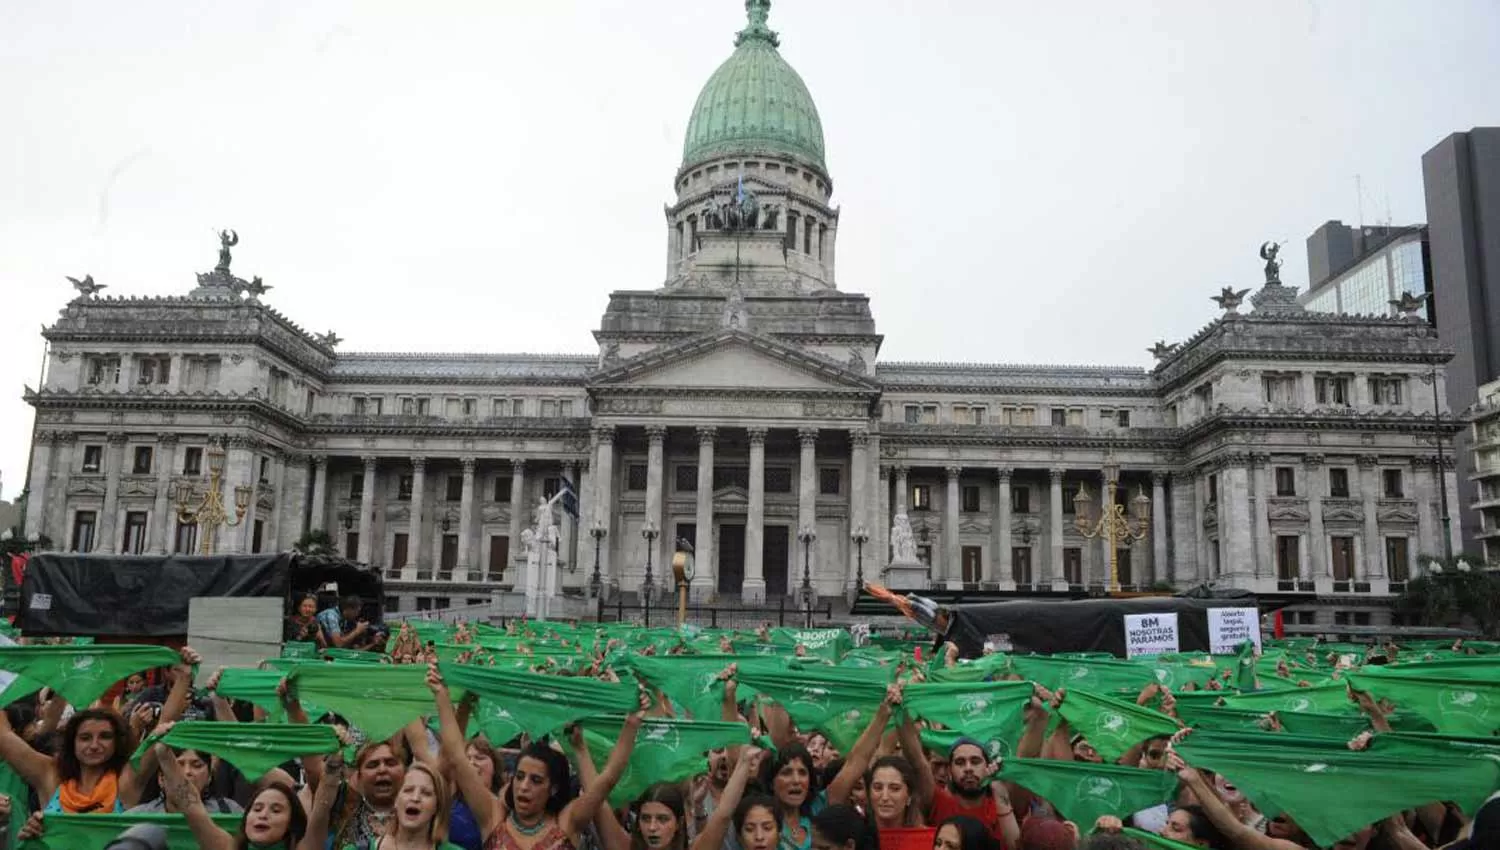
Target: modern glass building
(1359, 271)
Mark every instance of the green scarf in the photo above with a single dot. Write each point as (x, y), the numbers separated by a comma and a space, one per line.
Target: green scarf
(979, 669)
(829, 644)
(378, 700)
(1332, 791)
(1328, 699)
(1083, 792)
(512, 702)
(92, 832)
(981, 710)
(1090, 674)
(83, 673)
(1456, 700)
(257, 687)
(253, 748)
(666, 750)
(692, 681)
(1204, 715)
(299, 649)
(942, 741)
(1112, 726)
(353, 656)
(1152, 841)
(19, 688)
(12, 785)
(835, 701)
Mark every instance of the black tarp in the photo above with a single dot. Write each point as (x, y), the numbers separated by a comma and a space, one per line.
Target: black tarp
(1083, 625)
(141, 596)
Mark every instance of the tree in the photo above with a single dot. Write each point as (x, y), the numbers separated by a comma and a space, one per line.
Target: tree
(1455, 594)
(315, 543)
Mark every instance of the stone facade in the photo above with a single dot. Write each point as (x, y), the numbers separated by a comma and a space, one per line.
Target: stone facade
(740, 405)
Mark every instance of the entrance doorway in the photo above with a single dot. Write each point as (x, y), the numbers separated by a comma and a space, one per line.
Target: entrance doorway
(774, 553)
(731, 558)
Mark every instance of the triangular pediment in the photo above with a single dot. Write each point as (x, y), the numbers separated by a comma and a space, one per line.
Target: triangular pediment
(732, 358)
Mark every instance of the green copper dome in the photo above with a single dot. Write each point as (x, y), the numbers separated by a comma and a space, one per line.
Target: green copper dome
(754, 102)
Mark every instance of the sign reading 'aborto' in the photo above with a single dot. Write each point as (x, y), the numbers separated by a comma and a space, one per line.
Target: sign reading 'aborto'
(1229, 628)
(1150, 634)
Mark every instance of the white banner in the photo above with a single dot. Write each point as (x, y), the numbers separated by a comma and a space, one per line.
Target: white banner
(1230, 627)
(1150, 634)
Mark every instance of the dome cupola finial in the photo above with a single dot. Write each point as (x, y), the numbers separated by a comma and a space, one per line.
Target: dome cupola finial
(757, 11)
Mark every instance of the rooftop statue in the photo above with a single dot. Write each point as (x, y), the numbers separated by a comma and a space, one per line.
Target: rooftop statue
(1268, 252)
(1230, 299)
(86, 287)
(227, 239)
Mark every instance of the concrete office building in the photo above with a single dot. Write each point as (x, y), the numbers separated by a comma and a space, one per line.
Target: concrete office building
(1461, 178)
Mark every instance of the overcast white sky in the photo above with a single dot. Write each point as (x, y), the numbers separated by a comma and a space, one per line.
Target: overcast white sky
(1059, 182)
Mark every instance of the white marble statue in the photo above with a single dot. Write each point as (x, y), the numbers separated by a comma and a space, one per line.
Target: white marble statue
(903, 543)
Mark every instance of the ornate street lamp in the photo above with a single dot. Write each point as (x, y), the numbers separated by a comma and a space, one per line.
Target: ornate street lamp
(1112, 524)
(807, 535)
(596, 584)
(860, 537)
(347, 518)
(648, 587)
(209, 514)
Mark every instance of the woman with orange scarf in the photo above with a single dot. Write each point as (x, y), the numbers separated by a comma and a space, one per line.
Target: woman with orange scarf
(91, 773)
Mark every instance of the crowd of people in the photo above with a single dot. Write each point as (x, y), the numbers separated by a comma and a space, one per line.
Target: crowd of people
(552, 736)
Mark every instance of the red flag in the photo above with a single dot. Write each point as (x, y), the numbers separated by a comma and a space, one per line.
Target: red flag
(1278, 628)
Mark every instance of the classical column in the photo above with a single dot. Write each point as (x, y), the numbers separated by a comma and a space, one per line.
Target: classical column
(1317, 542)
(1369, 491)
(318, 520)
(807, 478)
(755, 517)
(1234, 517)
(881, 534)
(580, 555)
(114, 454)
(519, 514)
(1055, 530)
(1098, 573)
(704, 554)
(414, 521)
(1200, 529)
(239, 471)
(367, 511)
(903, 491)
(466, 516)
(1429, 540)
(569, 526)
(1159, 571)
(859, 497)
(1003, 569)
(952, 562)
(55, 514)
(1184, 564)
(656, 438)
(1264, 566)
(291, 502)
(604, 487)
(162, 510)
(36, 488)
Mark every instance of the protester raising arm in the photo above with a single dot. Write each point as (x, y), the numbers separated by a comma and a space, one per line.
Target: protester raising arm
(577, 814)
(864, 749)
(711, 836)
(1242, 836)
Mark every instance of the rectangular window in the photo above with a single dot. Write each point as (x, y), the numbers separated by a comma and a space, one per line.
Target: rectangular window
(551, 485)
(971, 560)
(1332, 390)
(913, 414)
(1396, 564)
(1385, 390)
(929, 414)
(739, 476)
(1073, 565)
(1213, 489)
(134, 542)
(192, 460)
(502, 489)
(449, 557)
(424, 603)
(403, 488)
(1288, 567)
(1020, 565)
(1059, 417)
(265, 470)
(968, 414)
(185, 541)
(829, 480)
(453, 488)
(1122, 568)
(103, 371)
(686, 478)
(499, 556)
(440, 602)
(141, 463)
(921, 497)
(351, 545)
(778, 479)
(408, 405)
(1025, 416)
(392, 604)
(1020, 500)
(471, 407)
(635, 476)
(424, 406)
(518, 407)
(398, 550)
(93, 458)
(357, 485)
(970, 498)
(1343, 558)
(1217, 553)
(549, 408)
(1122, 418)
(1338, 482)
(565, 408)
(1286, 481)
(1392, 479)
(500, 407)
(1069, 493)
(257, 536)
(202, 372)
(1361, 618)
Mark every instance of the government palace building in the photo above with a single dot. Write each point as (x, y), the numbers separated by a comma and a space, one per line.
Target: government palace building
(739, 403)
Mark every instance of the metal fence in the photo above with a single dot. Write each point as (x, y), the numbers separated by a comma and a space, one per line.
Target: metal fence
(783, 611)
